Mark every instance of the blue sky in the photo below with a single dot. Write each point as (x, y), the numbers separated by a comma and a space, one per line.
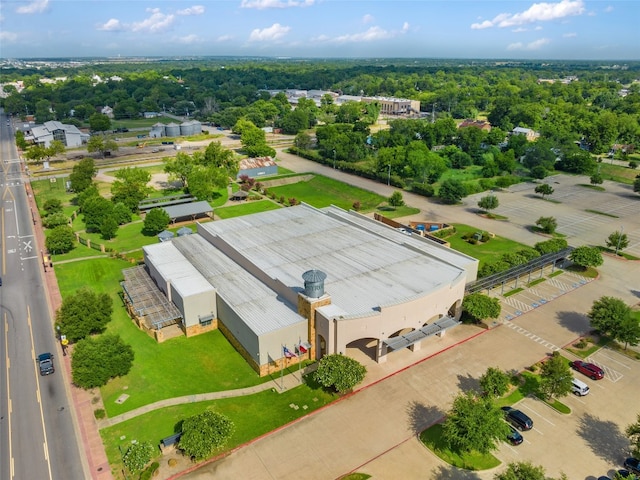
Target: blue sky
(566, 29)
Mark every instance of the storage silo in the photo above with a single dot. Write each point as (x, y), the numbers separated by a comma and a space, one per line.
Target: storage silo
(192, 127)
(172, 130)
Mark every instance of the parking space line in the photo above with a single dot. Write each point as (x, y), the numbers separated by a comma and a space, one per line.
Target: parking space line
(539, 415)
(616, 361)
(610, 373)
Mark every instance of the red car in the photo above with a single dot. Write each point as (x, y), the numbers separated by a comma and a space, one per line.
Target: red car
(592, 371)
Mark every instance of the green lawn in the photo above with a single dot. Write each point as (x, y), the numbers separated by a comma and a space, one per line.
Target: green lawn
(252, 415)
(432, 438)
(246, 208)
(176, 367)
(487, 252)
(322, 191)
(617, 173)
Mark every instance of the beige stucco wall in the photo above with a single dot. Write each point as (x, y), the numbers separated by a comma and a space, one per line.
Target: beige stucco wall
(413, 314)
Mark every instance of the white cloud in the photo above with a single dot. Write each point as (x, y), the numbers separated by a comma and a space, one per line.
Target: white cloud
(195, 10)
(538, 12)
(189, 39)
(570, 35)
(264, 4)
(535, 45)
(405, 27)
(519, 30)
(8, 36)
(37, 6)
(373, 33)
(538, 28)
(157, 22)
(224, 38)
(111, 25)
(274, 32)
(609, 9)
(367, 19)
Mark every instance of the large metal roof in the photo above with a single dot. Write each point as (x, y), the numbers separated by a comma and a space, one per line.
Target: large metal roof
(188, 209)
(366, 268)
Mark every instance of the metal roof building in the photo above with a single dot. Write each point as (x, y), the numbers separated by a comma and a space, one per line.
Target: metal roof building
(324, 278)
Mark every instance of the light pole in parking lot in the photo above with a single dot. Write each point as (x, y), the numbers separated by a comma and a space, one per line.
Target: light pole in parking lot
(619, 238)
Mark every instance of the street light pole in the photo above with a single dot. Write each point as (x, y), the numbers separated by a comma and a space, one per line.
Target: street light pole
(389, 176)
(334, 158)
(619, 238)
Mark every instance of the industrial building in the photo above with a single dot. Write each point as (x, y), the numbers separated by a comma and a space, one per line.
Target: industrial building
(313, 281)
(44, 134)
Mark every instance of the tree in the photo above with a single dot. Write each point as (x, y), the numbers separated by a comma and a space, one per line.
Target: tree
(94, 210)
(56, 147)
(204, 181)
(488, 203)
(547, 224)
(217, 156)
(82, 175)
(395, 200)
(494, 382)
(155, 221)
(607, 314)
(98, 143)
(555, 376)
(339, 372)
(522, 471)
(52, 205)
(179, 167)
(618, 240)
(544, 189)
(452, 191)
(121, 213)
(137, 456)
(61, 239)
(481, 307)
(108, 227)
(84, 313)
(596, 179)
(628, 332)
(130, 187)
(633, 432)
(474, 423)
(204, 433)
(551, 246)
(303, 141)
(96, 360)
(55, 220)
(99, 122)
(585, 257)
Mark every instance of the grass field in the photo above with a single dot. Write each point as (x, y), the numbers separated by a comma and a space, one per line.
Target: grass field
(486, 252)
(322, 191)
(246, 208)
(617, 173)
(247, 414)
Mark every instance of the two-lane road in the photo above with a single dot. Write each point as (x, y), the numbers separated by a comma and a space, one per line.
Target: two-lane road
(37, 435)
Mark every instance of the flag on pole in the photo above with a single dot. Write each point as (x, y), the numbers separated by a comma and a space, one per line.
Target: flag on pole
(288, 353)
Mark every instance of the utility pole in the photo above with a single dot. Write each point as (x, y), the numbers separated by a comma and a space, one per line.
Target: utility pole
(389, 176)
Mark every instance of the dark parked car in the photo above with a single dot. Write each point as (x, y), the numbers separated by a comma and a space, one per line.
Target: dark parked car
(45, 362)
(627, 474)
(632, 464)
(514, 437)
(592, 371)
(517, 418)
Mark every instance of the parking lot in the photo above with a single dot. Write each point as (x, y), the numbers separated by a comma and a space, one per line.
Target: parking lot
(591, 432)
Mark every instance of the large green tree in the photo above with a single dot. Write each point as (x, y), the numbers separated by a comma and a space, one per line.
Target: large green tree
(155, 221)
(60, 240)
(618, 241)
(99, 122)
(98, 143)
(131, 187)
(84, 313)
(488, 203)
(96, 360)
(586, 256)
(339, 372)
(524, 471)
(452, 191)
(81, 176)
(474, 423)
(481, 307)
(555, 377)
(633, 432)
(607, 313)
(94, 211)
(494, 382)
(204, 433)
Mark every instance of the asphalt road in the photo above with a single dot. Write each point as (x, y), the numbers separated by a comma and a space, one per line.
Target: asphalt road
(37, 435)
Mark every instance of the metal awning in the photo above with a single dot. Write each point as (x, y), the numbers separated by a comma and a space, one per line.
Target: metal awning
(403, 341)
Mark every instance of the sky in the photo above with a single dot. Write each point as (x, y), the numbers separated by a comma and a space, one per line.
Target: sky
(483, 29)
